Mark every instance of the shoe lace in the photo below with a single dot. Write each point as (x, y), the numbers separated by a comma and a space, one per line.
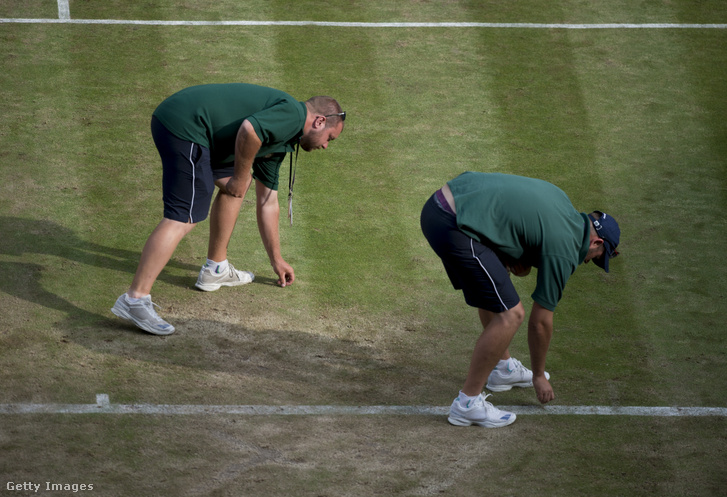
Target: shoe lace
(152, 311)
(517, 365)
(233, 272)
(485, 403)
(488, 405)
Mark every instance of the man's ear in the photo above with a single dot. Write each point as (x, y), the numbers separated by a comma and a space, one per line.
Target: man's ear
(319, 122)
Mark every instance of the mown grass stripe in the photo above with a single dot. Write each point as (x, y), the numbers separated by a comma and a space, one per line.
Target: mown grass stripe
(524, 25)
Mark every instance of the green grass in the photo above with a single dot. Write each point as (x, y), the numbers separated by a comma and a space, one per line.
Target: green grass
(633, 122)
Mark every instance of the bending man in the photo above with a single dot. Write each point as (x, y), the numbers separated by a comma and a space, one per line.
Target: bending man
(223, 135)
(486, 226)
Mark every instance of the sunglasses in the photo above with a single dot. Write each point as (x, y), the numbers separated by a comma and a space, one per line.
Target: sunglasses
(342, 115)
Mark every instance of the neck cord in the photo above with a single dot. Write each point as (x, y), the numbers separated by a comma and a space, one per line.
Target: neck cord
(291, 182)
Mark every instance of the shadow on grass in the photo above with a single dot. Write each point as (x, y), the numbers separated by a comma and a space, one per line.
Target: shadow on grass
(298, 366)
(33, 241)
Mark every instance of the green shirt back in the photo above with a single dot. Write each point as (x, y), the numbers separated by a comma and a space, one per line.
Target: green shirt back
(210, 115)
(524, 219)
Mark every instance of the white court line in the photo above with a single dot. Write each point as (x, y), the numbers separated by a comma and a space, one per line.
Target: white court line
(64, 12)
(369, 24)
(104, 406)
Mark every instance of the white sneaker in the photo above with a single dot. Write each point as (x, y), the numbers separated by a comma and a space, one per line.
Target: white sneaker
(502, 380)
(209, 280)
(142, 314)
(479, 412)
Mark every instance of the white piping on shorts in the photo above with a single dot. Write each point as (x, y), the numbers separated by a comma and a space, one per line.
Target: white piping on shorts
(472, 247)
(191, 204)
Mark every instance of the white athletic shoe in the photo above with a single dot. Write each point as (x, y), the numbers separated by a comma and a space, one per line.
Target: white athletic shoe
(142, 314)
(209, 280)
(479, 412)
(503, 379)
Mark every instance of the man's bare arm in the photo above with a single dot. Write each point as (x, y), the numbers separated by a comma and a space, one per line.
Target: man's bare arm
(540, 331)
(247, 146)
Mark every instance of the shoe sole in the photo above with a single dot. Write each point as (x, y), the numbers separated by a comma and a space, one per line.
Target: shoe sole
(125, 315)
(207, 288)
(484, 424)
(505, 388)
(211, 287)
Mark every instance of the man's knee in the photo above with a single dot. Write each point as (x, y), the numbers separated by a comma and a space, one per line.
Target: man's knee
(513, 317)
(175, 229)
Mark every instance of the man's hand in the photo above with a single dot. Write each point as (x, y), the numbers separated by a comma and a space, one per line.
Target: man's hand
(543, 389)
(236, 188)
(519, 269)
(285, 273)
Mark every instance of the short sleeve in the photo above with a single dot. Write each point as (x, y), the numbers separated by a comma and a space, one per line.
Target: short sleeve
(276, 125)
(553, 274)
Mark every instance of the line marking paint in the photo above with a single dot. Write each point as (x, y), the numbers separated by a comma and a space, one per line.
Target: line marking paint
(104, 406)
(64, 12)
(68, 20)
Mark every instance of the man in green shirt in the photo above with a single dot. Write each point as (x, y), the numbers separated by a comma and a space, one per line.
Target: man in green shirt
(486, 226)
(224, 136)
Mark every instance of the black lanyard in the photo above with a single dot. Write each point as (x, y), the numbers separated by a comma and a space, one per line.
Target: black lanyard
(291, 182)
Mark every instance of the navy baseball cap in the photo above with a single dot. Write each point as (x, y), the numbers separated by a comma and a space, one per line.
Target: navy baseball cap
(606, 229)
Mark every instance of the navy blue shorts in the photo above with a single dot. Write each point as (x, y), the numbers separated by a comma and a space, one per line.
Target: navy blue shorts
(188, 180)
(471, 266)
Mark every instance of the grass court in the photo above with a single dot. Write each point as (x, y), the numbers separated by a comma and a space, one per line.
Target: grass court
(631, 120)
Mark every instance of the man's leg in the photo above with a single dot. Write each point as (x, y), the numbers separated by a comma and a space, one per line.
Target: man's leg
(471, 407)
(499, 328)
(485, 317)
(223, 216)
(158, 249)
(136, 305)
(507, 375)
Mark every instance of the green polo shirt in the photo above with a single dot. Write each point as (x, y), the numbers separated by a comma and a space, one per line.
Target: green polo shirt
(525, 219)
(211, 115)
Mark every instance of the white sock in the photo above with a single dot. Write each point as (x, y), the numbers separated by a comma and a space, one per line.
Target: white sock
(217, 267)
(504, 366)
(133, 300)
(465, 400)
